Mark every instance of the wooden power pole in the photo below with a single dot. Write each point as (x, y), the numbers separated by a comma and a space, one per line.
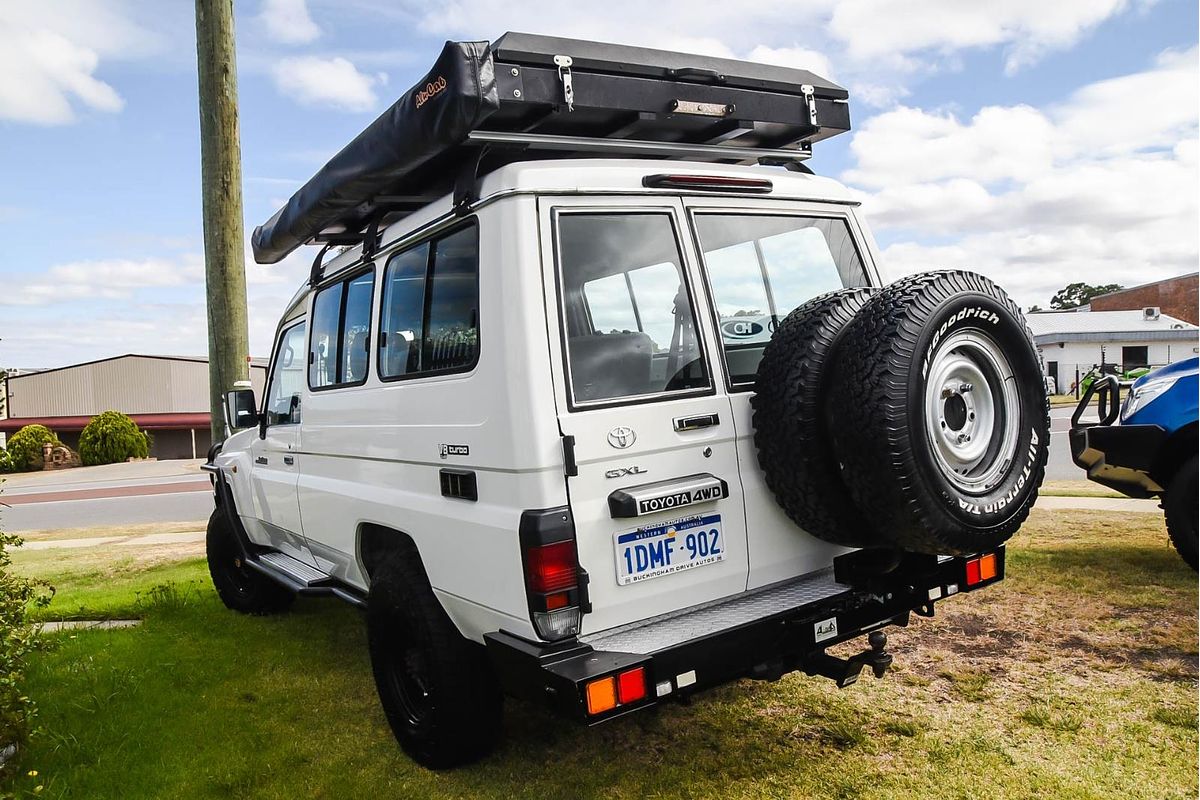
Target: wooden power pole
(221, 179)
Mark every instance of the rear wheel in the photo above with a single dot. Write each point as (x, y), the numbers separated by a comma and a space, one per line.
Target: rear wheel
(1180, 507)
(239, 587)
(436, 687)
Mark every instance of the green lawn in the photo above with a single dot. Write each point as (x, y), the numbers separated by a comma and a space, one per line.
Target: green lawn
(1075, 678)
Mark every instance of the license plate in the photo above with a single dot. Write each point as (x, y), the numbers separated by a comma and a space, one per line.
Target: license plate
(657, 550)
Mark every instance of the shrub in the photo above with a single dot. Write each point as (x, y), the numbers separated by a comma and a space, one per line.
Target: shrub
(25, 446)
(6, 464)
(18, 640)
(112, 437)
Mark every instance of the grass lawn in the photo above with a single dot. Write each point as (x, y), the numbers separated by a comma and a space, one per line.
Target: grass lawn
(1075, 678)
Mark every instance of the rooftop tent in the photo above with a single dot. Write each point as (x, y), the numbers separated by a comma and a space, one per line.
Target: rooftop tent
(483, 105)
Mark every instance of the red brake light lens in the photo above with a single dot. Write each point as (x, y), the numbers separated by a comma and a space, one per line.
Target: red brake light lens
(551, 567)
(711, 183)
(631, 685)
(973, 572)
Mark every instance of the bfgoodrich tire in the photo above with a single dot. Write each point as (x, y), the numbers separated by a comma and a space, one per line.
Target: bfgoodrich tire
(939, 415)
(791, 395)
(1180, 506)
(239, 587)
(436, 688)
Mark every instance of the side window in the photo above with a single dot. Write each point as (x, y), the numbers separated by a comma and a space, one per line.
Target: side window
(430, 314)
(627, 314)
(287, 378)
(760, 267)
(339, 347)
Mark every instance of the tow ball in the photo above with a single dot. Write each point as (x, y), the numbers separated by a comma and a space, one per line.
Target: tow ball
(845, 671)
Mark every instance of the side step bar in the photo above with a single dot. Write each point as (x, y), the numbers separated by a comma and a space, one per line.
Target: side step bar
(302, 578)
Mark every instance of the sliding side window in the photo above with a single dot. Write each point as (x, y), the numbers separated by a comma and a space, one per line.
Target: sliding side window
(430, 315)
(339, 347)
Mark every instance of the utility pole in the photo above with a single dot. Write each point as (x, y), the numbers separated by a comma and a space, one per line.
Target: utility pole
(221, 179)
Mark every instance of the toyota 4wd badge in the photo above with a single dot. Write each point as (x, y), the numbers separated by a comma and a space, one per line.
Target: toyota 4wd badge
(621, 437)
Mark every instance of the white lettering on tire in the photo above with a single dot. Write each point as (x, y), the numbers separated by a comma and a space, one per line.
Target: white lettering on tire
(1011, 494)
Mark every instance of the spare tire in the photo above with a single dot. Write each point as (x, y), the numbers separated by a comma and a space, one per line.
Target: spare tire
(939, 415)
(794, 449)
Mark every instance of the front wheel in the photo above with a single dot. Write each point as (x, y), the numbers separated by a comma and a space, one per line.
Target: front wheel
(1179, 505)
(239, 587)
(436, 688)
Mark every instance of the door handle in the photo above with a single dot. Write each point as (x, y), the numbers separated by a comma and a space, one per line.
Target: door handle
(696, 423)
(289, 460)
(260, 460)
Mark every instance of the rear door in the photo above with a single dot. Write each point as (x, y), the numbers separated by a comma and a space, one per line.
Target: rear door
(656, 498)
(761, 259)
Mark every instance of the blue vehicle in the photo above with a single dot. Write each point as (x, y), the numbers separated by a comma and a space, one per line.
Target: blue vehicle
(1146, 447)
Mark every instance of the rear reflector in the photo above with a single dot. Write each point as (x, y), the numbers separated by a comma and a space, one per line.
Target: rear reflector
(551, 567)
(602, 695)
(987, 567)
(631, 685)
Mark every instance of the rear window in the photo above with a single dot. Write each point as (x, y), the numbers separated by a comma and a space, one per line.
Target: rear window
(627, 313)
(760, 267)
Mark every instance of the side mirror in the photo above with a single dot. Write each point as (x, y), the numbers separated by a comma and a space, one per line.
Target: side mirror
(241, 410)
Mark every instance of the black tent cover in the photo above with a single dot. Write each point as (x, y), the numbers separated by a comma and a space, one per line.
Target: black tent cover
(419, 142)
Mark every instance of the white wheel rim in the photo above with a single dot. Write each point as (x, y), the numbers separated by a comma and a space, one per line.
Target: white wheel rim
(972, 413)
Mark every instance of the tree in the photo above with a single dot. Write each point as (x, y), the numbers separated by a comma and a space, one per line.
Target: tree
(1074, 295)
(110, 438)
(1033, 309)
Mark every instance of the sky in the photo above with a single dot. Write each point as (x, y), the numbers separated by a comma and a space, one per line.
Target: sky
(1037, 142)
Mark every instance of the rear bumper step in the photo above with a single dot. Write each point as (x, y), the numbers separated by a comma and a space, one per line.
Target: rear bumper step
(762, 634)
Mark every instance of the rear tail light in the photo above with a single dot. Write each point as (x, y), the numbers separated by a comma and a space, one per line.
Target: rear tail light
(983, 568)
(631, 685)
(552, 581)
(551, 567)
(613, 691)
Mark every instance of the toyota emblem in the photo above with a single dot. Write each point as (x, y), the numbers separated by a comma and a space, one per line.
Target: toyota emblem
(621, 437)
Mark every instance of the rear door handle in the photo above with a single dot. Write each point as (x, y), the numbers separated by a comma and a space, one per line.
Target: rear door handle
(696, 423)
(289, 460)
(260, 460)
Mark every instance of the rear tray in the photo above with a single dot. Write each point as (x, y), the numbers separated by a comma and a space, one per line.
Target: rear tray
(526, 97)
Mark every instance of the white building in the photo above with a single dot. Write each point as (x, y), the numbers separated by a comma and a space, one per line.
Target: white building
(1070, 341)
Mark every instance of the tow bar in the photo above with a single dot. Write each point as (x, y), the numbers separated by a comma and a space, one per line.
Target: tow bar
(845, 671)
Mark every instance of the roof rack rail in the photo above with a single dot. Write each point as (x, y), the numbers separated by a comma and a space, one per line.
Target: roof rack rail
(641, 147)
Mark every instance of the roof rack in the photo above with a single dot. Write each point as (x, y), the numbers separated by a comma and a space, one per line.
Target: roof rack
(525, 97)
(591, 145)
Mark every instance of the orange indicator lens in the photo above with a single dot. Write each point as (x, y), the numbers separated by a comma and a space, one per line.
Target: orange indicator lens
(987, 567)
(602, 695)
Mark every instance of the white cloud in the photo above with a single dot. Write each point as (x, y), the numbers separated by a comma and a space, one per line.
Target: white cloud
(50, 53)
(288, 21)
(103, 278)
(1029, 28)
(795, 57)
(1100, 188)
(333, 82)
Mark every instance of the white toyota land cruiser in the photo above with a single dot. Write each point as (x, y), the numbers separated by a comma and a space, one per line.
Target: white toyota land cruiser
(602, 432)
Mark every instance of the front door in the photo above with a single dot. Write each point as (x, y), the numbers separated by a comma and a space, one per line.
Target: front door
(274, 472)
(657, 502)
